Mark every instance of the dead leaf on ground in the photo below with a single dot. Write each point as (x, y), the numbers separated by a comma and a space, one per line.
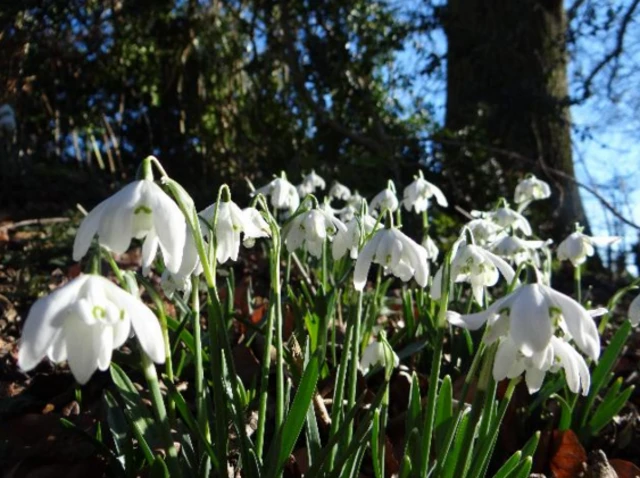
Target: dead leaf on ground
(568, 454)
(624, 468)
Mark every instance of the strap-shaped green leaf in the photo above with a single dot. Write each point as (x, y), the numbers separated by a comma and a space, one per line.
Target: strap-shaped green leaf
(509, 465)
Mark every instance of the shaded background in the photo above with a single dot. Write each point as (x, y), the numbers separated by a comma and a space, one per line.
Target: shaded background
(476, 92)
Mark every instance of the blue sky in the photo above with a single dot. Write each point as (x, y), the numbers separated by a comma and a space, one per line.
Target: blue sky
(606, 159)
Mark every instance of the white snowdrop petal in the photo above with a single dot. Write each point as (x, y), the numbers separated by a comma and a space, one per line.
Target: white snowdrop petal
(534, 378)
(144, 322)
(169, 224)
(506, 355)
(149, 251)
(568, 361)
(116, 229)
(83, 348)
(634, 311)
(505, 269)
(581, 326)
(531, 328)
(58, 349)
(105, 346)
(88, 229)
(602, 241)
(39, 329)
(363, 264)
(439, 195)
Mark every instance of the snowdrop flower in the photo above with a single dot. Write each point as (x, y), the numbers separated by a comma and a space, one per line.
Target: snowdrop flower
(141, 210)
(518, 250)
(475, 265)
(484, 231)
(339, 191)
(190, 265)
(385, 199)
(417, 194)
(397, 253)
(356, 201)
(510, 362)
(347, 213)
(283, 194)
(7, 121)
(353, 207)
(326, 207)
(431, 248)
(259, 224)
(507, 217)
(230, 223)
(315, 181)
(578, 246)
(303, 189)
(530, 315)
(349, 239)
(634, 311)
(311, 228)
(531, 189)
(378, 353)
(82, 322)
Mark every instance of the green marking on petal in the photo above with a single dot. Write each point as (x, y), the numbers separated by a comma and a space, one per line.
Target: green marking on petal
(98, 312)
(143, 209)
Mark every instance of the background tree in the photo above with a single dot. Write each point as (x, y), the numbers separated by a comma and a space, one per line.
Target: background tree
(507, 102)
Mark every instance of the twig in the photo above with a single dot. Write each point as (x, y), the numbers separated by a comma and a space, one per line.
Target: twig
(34, 222)
(549, 169)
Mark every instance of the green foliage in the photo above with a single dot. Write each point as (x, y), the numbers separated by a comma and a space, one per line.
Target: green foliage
(218, 90)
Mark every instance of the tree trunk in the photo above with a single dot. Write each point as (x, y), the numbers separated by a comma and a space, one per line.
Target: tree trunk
(507, 108)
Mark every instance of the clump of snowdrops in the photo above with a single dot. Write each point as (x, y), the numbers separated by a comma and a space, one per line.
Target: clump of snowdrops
(482, 312)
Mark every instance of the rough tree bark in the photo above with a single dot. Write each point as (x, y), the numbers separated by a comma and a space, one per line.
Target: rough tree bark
(507, 92)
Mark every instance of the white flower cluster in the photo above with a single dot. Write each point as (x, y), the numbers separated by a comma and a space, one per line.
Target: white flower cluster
(533, 326)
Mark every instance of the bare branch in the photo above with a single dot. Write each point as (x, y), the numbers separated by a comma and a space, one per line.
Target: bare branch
(556, 172)
(291, 58)
(573, 9)
(612, 55)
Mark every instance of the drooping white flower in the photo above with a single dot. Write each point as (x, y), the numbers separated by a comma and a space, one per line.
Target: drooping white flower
(507, 217)
(518, 250)
(356, 201)
(283, 194)
(326, 207)
(339, 191)
(398, 253)
(82, 322)
(431, 248)
(230, 223)
(377, 353)
(311, 228)
(531, 189)
(484, 231)
(417, 194)
(509, 362)
(253, 216)
(530, 315)
(385, 200)
(349, 239)
(578, 246)
(314, 180)
(304, 189)
(141, 210)
(475, 265)
(634, 311)
(190, 266)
